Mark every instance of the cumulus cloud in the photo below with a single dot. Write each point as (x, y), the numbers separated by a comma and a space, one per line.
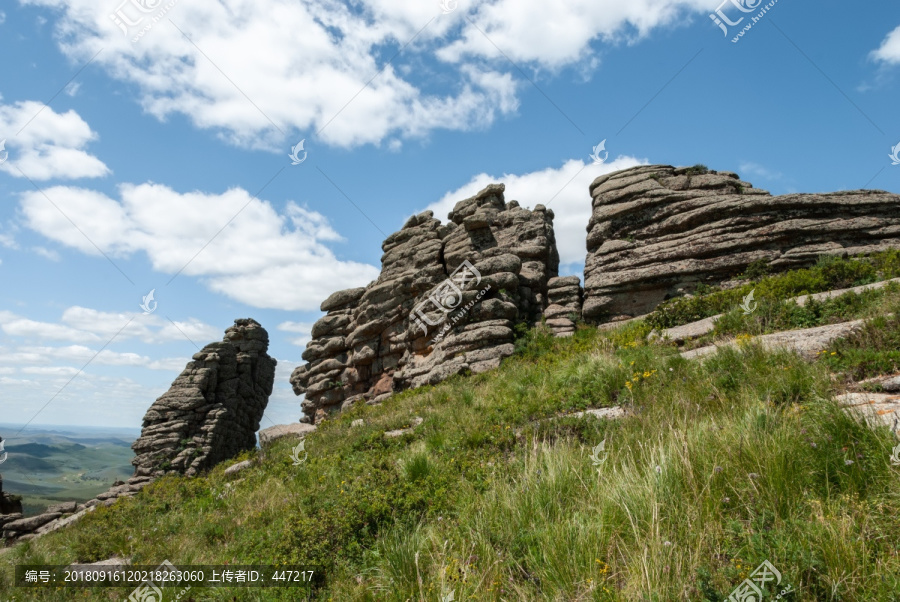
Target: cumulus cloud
(112, 399)
(530, 31)
(51, 145)
(85, 325)
(253, 70)
(748, 168)
(304, 329)
(563, 189)
(889, 51)
(287, 267)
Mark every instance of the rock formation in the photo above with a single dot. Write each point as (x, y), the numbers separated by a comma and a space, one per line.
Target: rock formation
(211, 413)
(564, 295)
(446, 302)
(213, 409)
(657, 232)
(10, 505)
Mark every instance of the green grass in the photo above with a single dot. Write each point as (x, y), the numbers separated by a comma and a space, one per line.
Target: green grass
(721, 465)
(829, 273)
(777, 316)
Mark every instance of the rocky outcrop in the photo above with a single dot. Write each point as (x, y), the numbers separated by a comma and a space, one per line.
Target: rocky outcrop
(657, 232)
(15, 526)
(446, 302)
(211, 413)
(213, 409)
(9, 503)
(10, 511)
(565, 297)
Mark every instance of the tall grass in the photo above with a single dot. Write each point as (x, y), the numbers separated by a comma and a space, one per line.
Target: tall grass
(829, 273)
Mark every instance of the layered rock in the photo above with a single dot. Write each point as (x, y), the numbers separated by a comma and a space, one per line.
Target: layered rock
(565, 299)
(446, 302)
(658, 231)
(10, 511)
(213, 409)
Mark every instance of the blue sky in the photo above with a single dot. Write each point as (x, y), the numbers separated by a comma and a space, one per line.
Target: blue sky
(161, 161)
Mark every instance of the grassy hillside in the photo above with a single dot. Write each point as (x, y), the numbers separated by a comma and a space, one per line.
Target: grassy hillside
(499, 495)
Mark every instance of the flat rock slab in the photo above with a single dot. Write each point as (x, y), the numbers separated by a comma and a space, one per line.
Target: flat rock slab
(400, 432)
(273, 433)
(877, 408)
(679, 334)
(806, 341)
(59, 523)
(801, 301)
(107, 566)
(617, 323)
(889, 384)
(64, 508)
(32, 522)
(610, 413)
(236, 468)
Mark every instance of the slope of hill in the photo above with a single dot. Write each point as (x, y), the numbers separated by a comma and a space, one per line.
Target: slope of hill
(496, 488)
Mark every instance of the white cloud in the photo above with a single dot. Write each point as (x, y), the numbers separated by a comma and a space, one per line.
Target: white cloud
(84, 325)
(531, 31)
(46, 253)
(8, 241)
(286, 266)
(301, 62)
(13, 325)
(51, 145)
(81, 355)
(571, 205)
(113, 400)
(51, 370)
(889, 51)
(302, 328)
(748, 168)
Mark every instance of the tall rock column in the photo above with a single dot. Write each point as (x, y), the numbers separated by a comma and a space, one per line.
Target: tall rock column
(213, 409)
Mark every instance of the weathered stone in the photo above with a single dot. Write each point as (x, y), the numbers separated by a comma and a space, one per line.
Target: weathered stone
(236, 468)
(342, 299)
(565, 296)
(608, 413)
(878, 409)
(273, 433)
(64, 508)
(806, 341)
(9, 504)
(415, 422)
(8, 518)
(658, 231)
(212, 411)
(32, 522)
(411, 328)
